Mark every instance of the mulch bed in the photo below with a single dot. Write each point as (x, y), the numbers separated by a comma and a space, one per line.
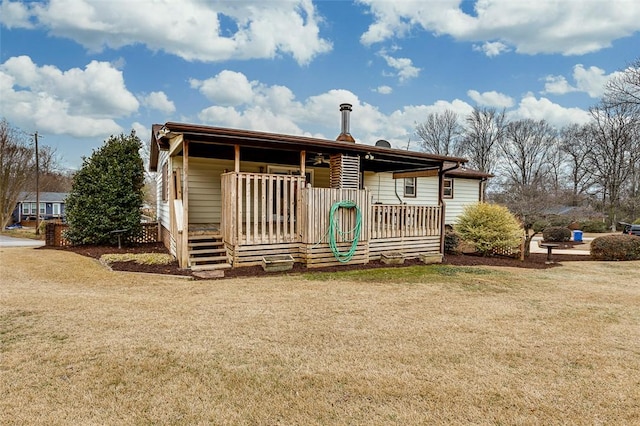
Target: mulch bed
(535, 261)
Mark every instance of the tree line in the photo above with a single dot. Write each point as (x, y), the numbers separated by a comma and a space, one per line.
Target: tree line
(538, 167)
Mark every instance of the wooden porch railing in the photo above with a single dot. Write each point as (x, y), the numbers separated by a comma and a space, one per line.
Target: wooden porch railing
(260, 208)
(316, 205)
(272, 209)
(393, 221)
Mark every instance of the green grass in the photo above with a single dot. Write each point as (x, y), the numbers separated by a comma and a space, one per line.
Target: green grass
(409, 274)
(140, 258)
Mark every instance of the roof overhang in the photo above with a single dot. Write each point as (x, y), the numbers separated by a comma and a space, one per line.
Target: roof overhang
(218, 142)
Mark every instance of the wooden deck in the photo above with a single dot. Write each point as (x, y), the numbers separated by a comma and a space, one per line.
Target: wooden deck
(267, 214)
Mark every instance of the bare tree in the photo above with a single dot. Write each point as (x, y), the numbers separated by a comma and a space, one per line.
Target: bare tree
(614, 154)
(527, 152)
(17, 168)
(526, 149)
(576, 146)
(52, 178)
(485, 128)
(440, 133)
(624, 89)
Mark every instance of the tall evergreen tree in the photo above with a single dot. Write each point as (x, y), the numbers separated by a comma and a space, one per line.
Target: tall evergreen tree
(107, 193)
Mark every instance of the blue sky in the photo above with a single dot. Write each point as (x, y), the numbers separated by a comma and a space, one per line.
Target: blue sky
(78, 71)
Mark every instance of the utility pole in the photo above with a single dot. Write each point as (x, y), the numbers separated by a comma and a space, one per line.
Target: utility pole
(37, 186)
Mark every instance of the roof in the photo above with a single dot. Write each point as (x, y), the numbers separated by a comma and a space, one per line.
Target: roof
(45, 197)
(208, 141)
(463, 172)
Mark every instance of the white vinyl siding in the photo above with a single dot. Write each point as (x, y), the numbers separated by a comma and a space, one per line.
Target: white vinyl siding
(387, 190)
(384, 189)
(205, 198)
(465, 192)
(162, 206)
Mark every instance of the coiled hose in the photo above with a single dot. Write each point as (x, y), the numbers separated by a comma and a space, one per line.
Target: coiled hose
(335, 230)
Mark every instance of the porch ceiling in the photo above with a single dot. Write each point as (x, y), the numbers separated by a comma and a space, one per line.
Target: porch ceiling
(214, 142)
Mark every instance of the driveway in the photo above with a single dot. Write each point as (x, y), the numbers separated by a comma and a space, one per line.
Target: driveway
(6, 241)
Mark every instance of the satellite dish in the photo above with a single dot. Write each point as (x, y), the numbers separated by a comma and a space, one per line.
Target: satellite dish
(383, 143)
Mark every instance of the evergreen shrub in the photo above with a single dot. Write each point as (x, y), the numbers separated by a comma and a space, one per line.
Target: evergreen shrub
(616, 247)
(487, 227)
(106, 194)
(556, 234)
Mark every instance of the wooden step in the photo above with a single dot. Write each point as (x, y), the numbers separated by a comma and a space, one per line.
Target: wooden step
(206, 244)
(205, 237)
(207, 251)
(207, 259)
(210, 267)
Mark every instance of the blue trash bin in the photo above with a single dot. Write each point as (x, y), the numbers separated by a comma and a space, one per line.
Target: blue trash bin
(577, 236)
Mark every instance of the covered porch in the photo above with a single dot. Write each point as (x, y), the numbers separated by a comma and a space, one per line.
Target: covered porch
(269, 214)
(258, 212)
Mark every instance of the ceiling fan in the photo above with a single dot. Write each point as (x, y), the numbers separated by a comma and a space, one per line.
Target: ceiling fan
(319, 159)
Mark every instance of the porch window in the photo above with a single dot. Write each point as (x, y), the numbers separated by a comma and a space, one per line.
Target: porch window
(165, 179)
(447, 188)
(410, 187)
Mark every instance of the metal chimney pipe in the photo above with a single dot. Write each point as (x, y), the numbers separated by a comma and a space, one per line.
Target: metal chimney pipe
(345, 134)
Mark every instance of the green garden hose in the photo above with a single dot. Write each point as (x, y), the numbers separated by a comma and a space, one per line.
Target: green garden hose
(334, 230)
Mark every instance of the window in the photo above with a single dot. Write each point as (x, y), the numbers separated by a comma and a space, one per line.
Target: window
(165, 181)
(26, 208)
(56, 209)
(448, 188)
(410, 189)
(277, 170)
(43, 208)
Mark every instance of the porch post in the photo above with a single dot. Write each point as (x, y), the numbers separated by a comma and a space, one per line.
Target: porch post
(303, 160)
(442, 206)
(237, 158)
(185, 205)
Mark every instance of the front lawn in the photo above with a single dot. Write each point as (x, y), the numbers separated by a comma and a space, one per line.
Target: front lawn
(436, 344)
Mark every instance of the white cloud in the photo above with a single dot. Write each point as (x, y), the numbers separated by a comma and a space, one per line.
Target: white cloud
(77, 102)
(159, 102)
(492, 99)
(142, 131)
(383, 90)
(14, 15)
(492, 49)
(276, 109)
(544, 26)
(557, 85)
(590, 80)
(544, 109)
(228, 88)
(403, 66)
(191, 29)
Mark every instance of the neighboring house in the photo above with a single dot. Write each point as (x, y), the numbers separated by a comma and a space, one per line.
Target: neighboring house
(228, 197)
(51, 206)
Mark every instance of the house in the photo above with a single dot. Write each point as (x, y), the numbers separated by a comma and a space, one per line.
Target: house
(229, 197)
(51, 207)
